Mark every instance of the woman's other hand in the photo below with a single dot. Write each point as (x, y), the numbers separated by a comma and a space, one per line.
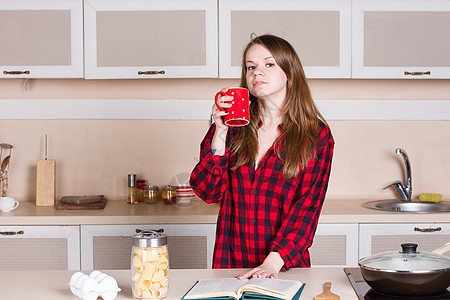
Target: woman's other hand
(268, 269)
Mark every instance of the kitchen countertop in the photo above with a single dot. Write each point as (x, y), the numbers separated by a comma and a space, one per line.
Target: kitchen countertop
(52, 285)
(120, 212)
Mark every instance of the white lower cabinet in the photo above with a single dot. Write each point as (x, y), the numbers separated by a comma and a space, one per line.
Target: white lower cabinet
(191, 245)
(109, 246)
(103, 247)
(335, 245)
(39, 248)
(375, 238)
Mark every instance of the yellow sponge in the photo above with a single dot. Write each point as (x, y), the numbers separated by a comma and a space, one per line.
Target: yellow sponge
(430, 197)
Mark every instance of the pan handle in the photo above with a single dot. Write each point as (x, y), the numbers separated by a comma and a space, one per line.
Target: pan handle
(442, 249)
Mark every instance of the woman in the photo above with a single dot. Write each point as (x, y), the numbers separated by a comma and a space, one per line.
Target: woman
(270, 176)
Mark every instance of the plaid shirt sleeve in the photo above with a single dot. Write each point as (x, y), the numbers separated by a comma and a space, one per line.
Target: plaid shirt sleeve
(209, 177)
(296, 232)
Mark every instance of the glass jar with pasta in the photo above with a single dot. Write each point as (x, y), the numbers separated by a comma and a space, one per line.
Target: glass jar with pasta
(149, 265)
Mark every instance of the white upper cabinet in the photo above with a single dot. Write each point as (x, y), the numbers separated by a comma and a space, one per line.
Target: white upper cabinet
(205, 38)
(151, 38)
(41, 39)
(320, 31)
(401, 39)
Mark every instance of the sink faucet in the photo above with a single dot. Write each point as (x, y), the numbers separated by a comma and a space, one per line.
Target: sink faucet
(404, 191)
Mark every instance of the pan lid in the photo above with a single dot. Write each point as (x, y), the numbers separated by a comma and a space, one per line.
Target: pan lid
(407, 260)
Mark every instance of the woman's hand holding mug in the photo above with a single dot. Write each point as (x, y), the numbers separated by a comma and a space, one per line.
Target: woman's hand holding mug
(218, 109)
(233, 105)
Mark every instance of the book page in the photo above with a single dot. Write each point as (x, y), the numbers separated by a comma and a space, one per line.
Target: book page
(206, 288)
(279, 288)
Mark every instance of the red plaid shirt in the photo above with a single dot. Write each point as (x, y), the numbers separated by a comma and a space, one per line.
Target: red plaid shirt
(260, 211)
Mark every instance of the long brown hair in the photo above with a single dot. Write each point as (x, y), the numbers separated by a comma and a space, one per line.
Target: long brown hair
(300, 116)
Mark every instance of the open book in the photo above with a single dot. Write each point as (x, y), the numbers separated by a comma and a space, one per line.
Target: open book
(233, 288)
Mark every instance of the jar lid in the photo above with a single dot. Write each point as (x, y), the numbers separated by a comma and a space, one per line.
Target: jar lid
(151, 238)
(170, 188)
(151, 187)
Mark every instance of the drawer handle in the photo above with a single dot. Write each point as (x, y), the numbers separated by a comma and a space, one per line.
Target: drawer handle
(427, 229)
(11, 232)
(417, 73)
(151, 72)
(15, 72)
(161, 230)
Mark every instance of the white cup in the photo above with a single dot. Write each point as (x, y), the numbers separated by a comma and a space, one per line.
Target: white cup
(8, 204)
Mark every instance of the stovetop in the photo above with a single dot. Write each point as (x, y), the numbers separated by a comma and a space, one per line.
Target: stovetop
(365, 292)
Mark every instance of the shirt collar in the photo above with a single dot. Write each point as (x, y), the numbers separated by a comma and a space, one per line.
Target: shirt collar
(280, 126)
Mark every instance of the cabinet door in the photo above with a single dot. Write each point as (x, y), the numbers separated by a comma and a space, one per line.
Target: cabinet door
(109, 246)
(151, 38)
(30, 248)
(41, 39)
(401, 39)
(335, 245)
(375, 238)
(319, 30)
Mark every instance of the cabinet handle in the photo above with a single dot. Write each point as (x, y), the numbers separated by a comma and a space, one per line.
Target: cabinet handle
(151, 72)
(427, 229)
(417, 73)
(161, 230)
(15, 72)
(11, 232)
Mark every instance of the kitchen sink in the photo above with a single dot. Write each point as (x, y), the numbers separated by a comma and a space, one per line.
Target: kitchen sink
(408, 206)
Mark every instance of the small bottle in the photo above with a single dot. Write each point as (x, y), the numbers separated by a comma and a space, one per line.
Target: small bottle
(169, 194)
(132, 190)
(140, 187)
(151, 194)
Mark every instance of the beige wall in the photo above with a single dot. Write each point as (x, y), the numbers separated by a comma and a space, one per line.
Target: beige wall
(94, 156)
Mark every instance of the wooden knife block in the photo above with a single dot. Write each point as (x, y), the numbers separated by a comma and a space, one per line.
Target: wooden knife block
(45, 182)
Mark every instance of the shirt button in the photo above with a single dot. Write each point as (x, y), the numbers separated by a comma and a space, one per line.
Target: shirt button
(254, 192)
(253, 220)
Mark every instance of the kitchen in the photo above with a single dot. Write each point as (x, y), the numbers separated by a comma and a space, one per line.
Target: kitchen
(95, 147)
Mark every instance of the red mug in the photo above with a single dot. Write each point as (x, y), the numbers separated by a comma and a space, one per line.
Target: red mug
(238, 113)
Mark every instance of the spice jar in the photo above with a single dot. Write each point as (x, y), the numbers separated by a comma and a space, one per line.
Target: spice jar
(149, 265)
(169, 194)
(141, 183)
(151, 194)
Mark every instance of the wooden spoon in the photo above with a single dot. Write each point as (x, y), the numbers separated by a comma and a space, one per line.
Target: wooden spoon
(5, 163)
(327, 294)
